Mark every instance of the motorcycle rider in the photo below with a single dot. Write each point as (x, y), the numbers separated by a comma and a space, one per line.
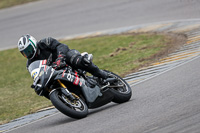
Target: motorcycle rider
(39, 50)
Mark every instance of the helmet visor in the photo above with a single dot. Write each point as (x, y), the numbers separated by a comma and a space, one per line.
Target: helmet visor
(28, 52)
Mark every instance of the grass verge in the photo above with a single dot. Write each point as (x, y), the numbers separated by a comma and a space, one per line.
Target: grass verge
(9, 3)
(121, 54)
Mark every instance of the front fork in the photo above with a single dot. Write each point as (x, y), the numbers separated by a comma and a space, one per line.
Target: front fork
(65, 91)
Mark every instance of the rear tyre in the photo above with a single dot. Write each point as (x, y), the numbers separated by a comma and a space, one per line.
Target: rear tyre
(123, 92)
(76, 109)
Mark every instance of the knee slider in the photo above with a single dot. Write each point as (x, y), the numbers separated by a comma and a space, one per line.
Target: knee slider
(72, 55)
(85, 61)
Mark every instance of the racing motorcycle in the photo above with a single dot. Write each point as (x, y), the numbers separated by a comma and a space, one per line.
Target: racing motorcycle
(73, 92)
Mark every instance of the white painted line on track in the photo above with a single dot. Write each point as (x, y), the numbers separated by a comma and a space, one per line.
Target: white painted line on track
(20, 126)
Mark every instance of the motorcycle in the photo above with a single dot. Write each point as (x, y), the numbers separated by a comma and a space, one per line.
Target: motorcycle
(73, 92)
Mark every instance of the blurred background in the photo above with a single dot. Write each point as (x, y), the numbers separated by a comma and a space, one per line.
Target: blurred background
(61, 18)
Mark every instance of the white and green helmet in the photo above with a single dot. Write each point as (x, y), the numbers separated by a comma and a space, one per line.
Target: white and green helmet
(27, 45)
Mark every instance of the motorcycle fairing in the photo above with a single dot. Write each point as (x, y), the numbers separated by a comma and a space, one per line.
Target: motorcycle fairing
(90, 93)
(70, 77)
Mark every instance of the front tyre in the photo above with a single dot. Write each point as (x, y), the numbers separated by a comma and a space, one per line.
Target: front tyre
(122, 91)
(76, 109)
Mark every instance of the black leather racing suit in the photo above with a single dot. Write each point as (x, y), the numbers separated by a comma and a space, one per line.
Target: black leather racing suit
(50, 45)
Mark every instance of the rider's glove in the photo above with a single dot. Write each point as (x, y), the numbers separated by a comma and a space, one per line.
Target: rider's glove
(60, 62)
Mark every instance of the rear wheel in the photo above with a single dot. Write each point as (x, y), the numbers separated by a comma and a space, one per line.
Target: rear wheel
(121, 89)
(75, 109)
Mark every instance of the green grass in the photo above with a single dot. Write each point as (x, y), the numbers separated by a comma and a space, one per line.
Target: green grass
(138, 50)
(9, 3)
(18, 99)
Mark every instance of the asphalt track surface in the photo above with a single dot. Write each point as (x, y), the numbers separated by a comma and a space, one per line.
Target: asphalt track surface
(166, 103)
(60, 18)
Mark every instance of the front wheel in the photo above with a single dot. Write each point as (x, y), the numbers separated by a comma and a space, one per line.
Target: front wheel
(76, 109)
(120, 88)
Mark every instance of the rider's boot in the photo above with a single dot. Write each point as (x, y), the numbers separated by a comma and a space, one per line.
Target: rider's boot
(94, 70)
(85, 63)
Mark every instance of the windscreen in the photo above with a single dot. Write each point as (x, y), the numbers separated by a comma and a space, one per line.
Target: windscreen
(34, 68)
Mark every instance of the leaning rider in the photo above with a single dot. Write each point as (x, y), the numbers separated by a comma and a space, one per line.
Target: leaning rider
(61, 54)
